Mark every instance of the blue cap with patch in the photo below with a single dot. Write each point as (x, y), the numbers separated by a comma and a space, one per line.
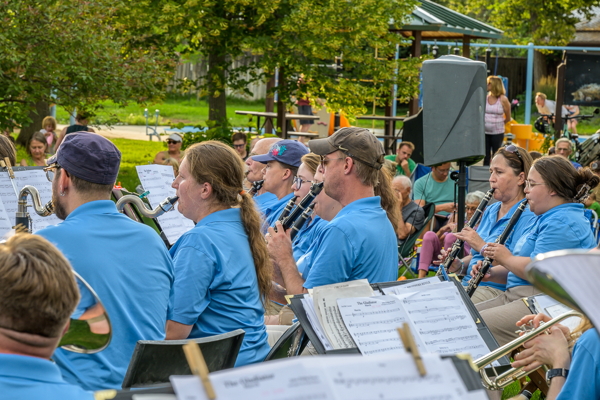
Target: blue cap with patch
(289, 152)
(88, 156)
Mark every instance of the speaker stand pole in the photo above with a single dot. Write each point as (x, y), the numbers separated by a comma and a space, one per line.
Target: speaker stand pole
(462, 189)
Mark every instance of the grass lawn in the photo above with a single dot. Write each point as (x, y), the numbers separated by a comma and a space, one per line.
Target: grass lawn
(134, 152)
(189, 111)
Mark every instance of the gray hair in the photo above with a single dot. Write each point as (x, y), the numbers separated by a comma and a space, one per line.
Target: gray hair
(403, 180)
(474, 197)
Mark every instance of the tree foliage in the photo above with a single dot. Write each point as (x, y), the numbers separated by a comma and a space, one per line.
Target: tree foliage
(296, 36)
(73, 53)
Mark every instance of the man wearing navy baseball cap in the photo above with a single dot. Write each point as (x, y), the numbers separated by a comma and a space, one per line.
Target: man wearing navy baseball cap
(121, 259)
(282, 162)
(360, 242)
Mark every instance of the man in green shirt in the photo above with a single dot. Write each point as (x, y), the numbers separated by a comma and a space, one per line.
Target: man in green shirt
(404, 165)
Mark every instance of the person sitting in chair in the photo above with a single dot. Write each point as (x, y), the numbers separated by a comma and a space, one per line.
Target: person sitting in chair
(38, 296)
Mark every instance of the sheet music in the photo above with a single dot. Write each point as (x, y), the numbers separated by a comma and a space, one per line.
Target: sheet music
(391, 377)
(373, 323)
(416, 286)
(309, 308)
(578, 275)
(23, 177)
(552, 308)
(443, 322)
(157, 180)
(298, 378)
(350, 377)
(325, 299)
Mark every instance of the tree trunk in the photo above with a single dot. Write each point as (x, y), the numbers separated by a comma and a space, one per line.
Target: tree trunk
(217, 100)
(37, 115)
(270, 104)
(539, 67)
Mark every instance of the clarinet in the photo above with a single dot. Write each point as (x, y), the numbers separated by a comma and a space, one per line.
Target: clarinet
(288, 208)
(315, 189)
(256, 186)
(302, 220)
(458, 244)
(487, 262)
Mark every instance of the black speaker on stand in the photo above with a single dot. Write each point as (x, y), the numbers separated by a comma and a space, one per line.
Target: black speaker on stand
(454, 95)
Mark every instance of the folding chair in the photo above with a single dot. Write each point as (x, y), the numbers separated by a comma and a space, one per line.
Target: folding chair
(406, 251)
(153, 361)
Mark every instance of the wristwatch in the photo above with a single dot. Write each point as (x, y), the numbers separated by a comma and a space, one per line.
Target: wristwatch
(553, 373)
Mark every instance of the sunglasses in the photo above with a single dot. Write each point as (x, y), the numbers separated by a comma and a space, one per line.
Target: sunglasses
(511, 148)
(172, 142)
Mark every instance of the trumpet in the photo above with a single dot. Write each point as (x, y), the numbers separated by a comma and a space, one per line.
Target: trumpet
(514, 374)
(165, 206)
(539, 273)
(22, 216)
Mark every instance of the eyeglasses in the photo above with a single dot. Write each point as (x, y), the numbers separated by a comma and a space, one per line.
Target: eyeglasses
(511, 148)
(530, 184)
(51, 171)
(298, 182)
(239, 146)
(172, 142)
(469, 208)
(325, 161)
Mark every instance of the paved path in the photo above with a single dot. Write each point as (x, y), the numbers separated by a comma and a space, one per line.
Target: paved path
(135, 132)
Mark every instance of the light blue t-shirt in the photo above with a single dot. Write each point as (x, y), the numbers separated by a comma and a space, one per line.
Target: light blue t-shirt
(428, 189)
(561, 228)
(24, 377)
(307, 235)
(583, 381)
(359, 243)
(129, 267)
(265, 202)
(276, 210)
(490, 228)
(216, 289)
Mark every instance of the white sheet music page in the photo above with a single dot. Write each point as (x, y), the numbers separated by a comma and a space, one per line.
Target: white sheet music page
(37, 178)
(444, 323)
(393, 376)
(326, 306)
(309, 309)
(33, 177)
(428, 284)
(578, 275)
(298, 378)
(373, 323)
(157, 180)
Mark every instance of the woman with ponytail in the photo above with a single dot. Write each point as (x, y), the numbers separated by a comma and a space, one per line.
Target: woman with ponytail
(222, 267)
(555, 190)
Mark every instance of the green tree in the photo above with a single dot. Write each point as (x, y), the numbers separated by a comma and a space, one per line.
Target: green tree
(296, 36)
(73, 54)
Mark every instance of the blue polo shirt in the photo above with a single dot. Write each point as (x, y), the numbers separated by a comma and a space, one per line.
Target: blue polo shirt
(216, 289)
(583, 381)
(277, 209)
(359, 243)
(24, 377)
(306, 235)
(129, 267)
(491, 227)
(265, 202)
(561, 228)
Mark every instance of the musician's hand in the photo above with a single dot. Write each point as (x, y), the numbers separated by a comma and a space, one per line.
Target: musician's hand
(497, 252)
(545, 349)
(470, 236)
(477, 268)
(536, 319)
(279, 243)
